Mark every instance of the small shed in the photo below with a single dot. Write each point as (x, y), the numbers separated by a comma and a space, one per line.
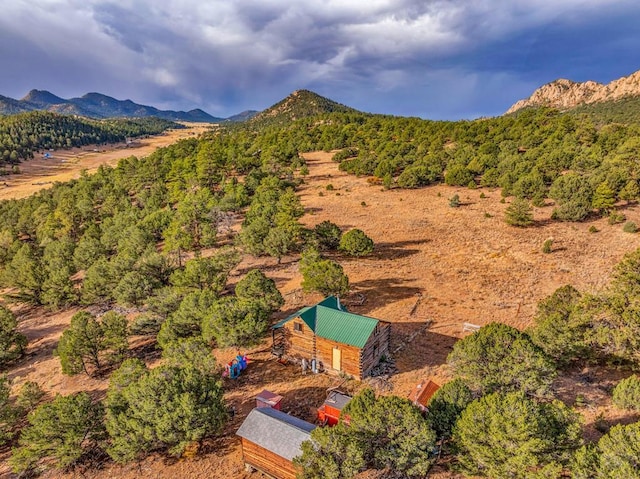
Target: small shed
(329, 413)
(268, 399)
(337, 340)
(422, 393)
(270, 441)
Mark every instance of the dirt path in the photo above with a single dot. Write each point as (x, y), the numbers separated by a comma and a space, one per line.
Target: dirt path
(64, 165)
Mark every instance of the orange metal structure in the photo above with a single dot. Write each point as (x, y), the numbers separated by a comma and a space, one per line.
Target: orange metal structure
(329, 413)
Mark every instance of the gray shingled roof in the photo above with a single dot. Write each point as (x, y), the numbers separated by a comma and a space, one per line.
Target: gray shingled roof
(276, 431)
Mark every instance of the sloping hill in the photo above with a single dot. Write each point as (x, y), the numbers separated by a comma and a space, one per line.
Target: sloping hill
(42, 99)
(242, 116)
(9, 106)
(623, 110)
(300, 104)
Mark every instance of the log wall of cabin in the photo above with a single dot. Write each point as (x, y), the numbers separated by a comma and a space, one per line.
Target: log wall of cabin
(350, 357)
(371, 355)
(298, 344)
(266, 461)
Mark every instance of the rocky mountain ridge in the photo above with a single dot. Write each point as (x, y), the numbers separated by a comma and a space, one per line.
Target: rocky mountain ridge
(566, 94)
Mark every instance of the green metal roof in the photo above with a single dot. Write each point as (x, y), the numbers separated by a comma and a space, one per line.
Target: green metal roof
(332, 302)
(282, 322)
(328, 319)
(309, 317)
(343, 327)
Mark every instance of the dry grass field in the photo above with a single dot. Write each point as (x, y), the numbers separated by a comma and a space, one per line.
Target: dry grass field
(65, 165)
(434, 268)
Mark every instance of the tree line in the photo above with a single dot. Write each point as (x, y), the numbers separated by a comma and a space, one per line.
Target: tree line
(23, 134)
(575, 159)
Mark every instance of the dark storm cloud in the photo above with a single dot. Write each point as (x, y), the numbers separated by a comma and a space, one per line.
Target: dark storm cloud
(437, 58)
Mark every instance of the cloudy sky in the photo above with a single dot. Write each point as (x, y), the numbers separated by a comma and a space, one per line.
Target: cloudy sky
(440, 59)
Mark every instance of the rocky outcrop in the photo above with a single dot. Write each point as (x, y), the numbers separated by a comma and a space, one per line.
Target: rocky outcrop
(566, 94)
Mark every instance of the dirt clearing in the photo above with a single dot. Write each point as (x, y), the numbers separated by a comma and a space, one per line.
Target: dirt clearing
(64, 165)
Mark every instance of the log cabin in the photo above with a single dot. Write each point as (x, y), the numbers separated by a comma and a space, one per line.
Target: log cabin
(271, 439)
(334, 339)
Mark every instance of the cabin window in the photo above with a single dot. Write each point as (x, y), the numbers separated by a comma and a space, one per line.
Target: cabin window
(297, 327)
(376, 347)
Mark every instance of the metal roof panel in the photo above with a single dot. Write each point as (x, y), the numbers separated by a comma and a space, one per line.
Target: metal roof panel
(343, 327)
(276, 431)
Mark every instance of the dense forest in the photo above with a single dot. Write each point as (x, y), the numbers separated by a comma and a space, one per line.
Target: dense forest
(23, 134)
(136, 232)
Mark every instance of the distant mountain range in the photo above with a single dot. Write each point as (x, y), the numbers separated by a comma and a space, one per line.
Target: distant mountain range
(300, 104)
(565, 94)
(97, 105)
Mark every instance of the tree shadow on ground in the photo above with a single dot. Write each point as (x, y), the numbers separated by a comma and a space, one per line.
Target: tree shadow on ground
(543, 223)
(147, 350)
(40, 331)
(379, 292)
(268, 264)
(413, 346)
(381, 251)
(311, 210)
(597, 428)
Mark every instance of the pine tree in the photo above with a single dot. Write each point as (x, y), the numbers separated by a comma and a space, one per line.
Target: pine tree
(326, 277)
(356, 243)
(88, 343)
(206, 273)
(255, 286)
(630, 192)
(604, 197)
(61, 431)
(383, 433)
(235, 322)
(519, 213)
(12, 343)
(165, 408)
(26, 273)
(512, 436)
(446, 405)
(626, 394)
(501, 358)
(9, 414)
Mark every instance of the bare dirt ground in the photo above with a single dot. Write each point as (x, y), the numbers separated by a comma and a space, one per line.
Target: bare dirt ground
(64, 165)
(434, 268)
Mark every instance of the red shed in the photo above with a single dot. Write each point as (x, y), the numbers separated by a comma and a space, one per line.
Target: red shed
(268, 399)
(422, 394)
(329, 412)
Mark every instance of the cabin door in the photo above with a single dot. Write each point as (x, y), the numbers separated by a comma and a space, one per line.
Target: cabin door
(336, 362)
